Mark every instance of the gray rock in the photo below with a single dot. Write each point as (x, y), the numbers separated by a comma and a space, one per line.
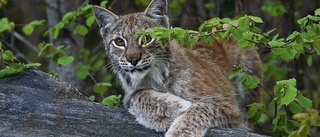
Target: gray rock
(35, 104)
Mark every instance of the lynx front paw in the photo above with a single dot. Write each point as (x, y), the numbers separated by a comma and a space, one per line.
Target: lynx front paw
(181, 127)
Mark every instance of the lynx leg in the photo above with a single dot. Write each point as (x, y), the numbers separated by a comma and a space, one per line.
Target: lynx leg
(157, 110)
(217, 111)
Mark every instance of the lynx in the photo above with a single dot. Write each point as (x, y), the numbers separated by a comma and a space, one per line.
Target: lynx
(171, 89)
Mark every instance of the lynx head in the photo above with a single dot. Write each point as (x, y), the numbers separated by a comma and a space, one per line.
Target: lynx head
(129, 55)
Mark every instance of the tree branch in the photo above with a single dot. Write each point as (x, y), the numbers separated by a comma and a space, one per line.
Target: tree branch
(23, 40)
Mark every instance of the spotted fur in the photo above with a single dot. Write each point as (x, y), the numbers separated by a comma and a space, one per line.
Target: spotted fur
(168, 88)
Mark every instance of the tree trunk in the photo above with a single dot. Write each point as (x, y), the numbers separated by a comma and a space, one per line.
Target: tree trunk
(55, 11)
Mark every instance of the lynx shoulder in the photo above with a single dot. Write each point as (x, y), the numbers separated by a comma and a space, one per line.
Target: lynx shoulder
(167, 88)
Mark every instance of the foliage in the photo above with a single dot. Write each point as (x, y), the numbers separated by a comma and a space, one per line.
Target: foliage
(9, 64)
(275, 9)
(3, 3)
(112, 100)
(91, 64)
(29, 28)
(58, 53)
(285, 96)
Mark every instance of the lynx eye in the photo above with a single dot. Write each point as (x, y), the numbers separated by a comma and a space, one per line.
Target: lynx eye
(148, 39)
(119, 42)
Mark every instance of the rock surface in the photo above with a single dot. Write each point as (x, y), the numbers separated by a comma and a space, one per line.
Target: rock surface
(34, 103)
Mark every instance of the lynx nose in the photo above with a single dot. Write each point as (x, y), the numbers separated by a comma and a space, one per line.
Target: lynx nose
(134, 59)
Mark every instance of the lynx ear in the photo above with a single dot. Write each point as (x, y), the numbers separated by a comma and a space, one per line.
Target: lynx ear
(157, 10)
(105, 18)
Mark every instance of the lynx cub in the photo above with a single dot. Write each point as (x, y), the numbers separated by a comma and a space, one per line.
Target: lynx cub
(168, 88)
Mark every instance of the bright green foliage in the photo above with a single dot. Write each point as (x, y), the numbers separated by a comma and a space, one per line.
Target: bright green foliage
(251, 82)
(311, 117)
(82, 30)
(255, 111)
(70, 18)
(65, 60)
(104, 3)
(281, 125)
(57, 53)
(112, 100)
(11, 65)
(5, 25)
(235, 71)
(29, 28)
(55, 30)
(275, 9)
(248, 81)
(101, 88)
(92, 98)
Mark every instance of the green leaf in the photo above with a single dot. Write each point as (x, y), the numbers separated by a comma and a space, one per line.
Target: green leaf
(299, 39)
(104, 3)
(14, 68)
(303, 101)
(295, 108)
(252, 110)
(301, 117)
(28, 29)
(244, 24)
(81, 73)
(106, 84)
(8, 55)
(32, 65)
(290, 94)
(304, 131)
(275, 9)
(92, 98)
(66, 18)
(112, 100)
(235, 72)
(289, 55)
(276, 43)
(99, 88)
(292, 36)
(256, 19)
(317, 12)
(2, 73)
(60, 25)
(55, 33)
(291, 82)
(294, 134)
(237, 34)
(210, 6)
(251, 82)
(241, 78)
(90, 20)
(54, 74)
(303, 21)
(65, 60)
(82, 30)
(255, 111)
(193, 40)
(5, 25)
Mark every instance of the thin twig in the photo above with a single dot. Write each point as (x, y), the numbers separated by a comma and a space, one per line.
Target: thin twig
(22, 39)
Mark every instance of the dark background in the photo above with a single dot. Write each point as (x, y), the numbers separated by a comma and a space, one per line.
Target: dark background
(187, 14)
